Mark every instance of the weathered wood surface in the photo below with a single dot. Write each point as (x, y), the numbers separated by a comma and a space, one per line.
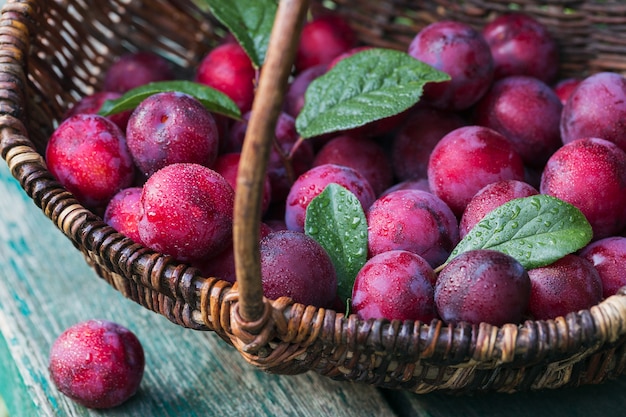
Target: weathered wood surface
(45, 286)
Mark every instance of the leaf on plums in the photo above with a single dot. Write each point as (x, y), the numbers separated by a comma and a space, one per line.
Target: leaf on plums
(215, 101)
(335, 219)
(249, 21)
(536, 230)
(370, 85)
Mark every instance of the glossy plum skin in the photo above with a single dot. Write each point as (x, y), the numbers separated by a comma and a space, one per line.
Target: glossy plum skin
(521, 45)
(417, 137)
(187, 212)
(590, 173)
(322, 39)
(565, 87)
(597, 108)
(467, 159)
(124, 211)
(363, 154)
(136, 69)
(569, 284)
(482, 286)
(395, 285)
(92, 103)
(227, 165)
(171, 127)
(608, 256)
(412, 220)
(490, 197)
(228, 69)
(294, 97)
(89, 156)
(282, 171)
(97, 363)
(295, 265)
(310, 184)
(528, 112)
(461, 52)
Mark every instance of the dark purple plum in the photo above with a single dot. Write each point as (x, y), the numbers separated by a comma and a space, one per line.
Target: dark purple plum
(171, 127)
(525, 110)
(567, 285)
(295, 265)
(136, 69)
(521, 45)
(482, 286)
(460, 51)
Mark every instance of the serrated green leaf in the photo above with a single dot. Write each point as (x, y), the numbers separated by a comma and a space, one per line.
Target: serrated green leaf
(367, 86)
(536, 230)
(335, 219)
(214, 100)
(250, 22)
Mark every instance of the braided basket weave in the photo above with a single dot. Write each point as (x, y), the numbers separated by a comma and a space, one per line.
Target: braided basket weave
(54, 52)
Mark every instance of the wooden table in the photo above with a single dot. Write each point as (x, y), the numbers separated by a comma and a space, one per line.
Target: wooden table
(45, 286)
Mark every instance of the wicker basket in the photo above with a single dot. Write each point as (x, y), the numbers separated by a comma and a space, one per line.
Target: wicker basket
(53, 52)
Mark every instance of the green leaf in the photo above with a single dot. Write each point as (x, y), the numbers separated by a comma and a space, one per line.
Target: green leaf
(250, 22)
(335, 219)
(367, 86)
(536, 230)
(214, 100)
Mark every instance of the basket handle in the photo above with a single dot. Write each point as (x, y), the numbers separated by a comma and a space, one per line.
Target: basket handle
(255, 154)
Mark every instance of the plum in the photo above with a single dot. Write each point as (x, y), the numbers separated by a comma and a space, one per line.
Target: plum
(92, 103)
(295, 265)
(97, 363)
(289, 157)
(608, 256)
(490, 197)
(171, 127)
(228, 69)
(467, 159)
(525, 110)
(412, 220)
(294, 97)
(417, 137)
(187, 212)
(482, 285)
(361, 153)
(310, 184)
(567, 285)
(565, 87)
(135, 69)
(521, 45)
(395, 285)
(124, 211)
(460, 51)
(227, 165)
(322, 39)
(590, 173)
(88, 154)
(596, 108)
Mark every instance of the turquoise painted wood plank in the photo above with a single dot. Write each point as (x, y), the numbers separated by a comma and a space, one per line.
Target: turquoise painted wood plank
(45, 286)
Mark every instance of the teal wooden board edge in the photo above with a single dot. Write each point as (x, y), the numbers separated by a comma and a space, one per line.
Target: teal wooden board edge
(14, 398)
